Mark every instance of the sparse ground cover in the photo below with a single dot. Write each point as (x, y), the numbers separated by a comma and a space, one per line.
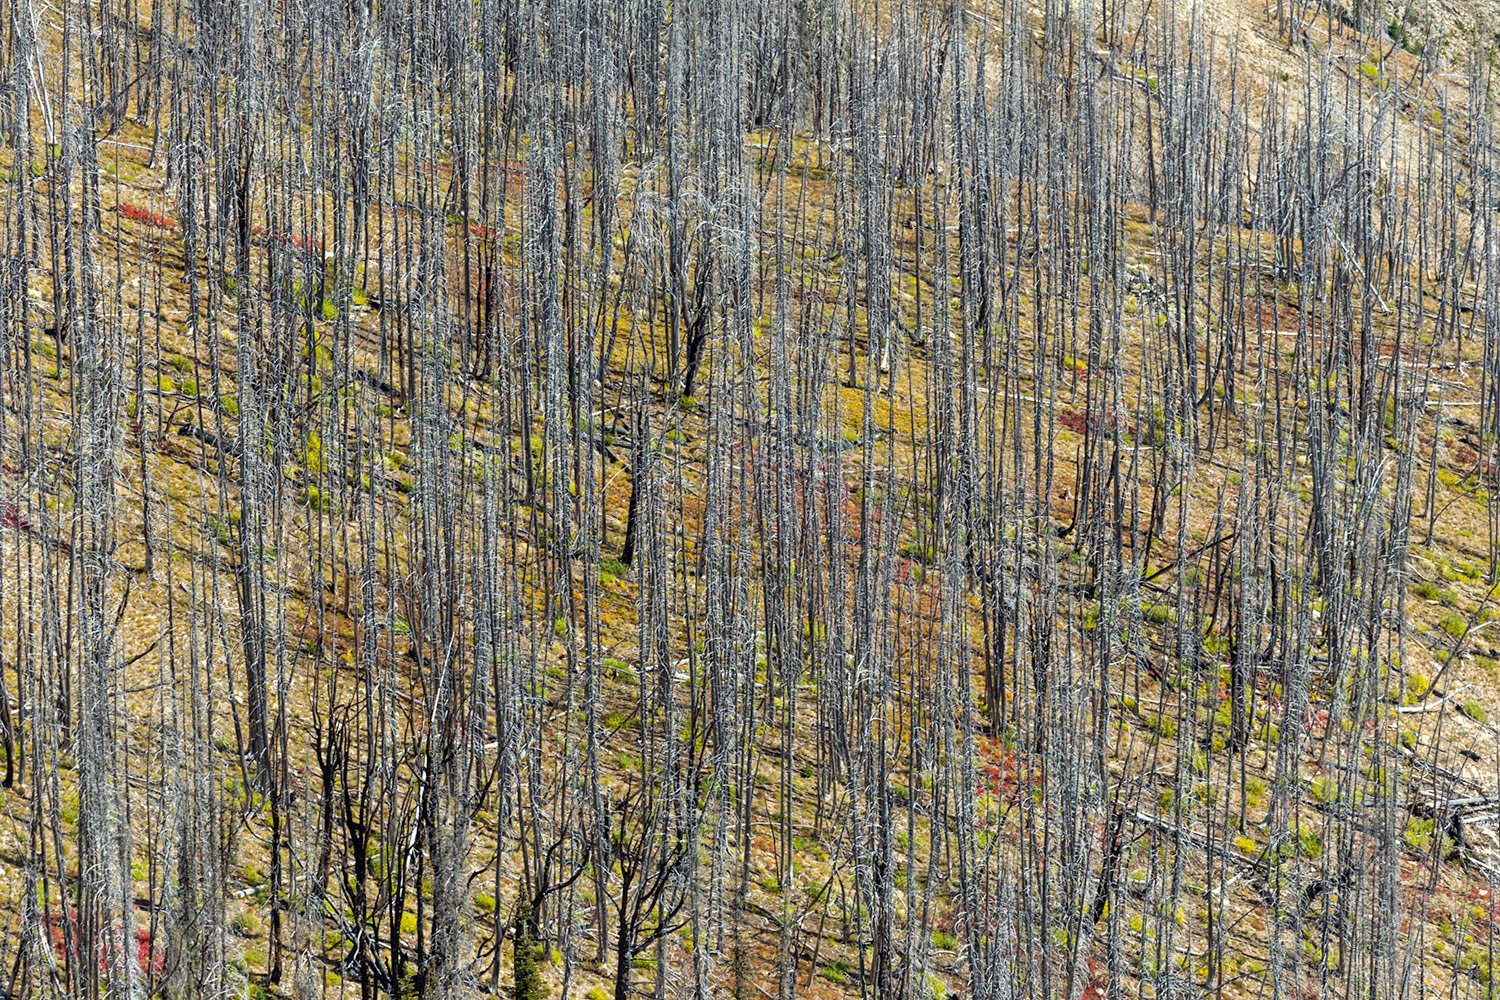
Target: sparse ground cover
(944, 596)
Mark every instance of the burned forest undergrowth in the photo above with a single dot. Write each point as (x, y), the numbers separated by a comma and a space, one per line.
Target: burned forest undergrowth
(618, 498)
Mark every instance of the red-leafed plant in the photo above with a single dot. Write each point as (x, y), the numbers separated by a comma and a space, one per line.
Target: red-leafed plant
(146, 217)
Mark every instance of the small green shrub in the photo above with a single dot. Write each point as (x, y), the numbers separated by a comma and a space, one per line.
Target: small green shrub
(835, 972)
(1418, 834)
(1453, 625)
(1417, 684)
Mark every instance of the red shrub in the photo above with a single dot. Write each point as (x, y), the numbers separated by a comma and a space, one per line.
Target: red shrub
(11, 517)
(286, 239)
(148, 956)
(297, 242)
(1073, 421)
(146, 217)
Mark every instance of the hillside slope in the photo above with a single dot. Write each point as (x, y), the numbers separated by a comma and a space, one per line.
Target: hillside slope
(607, 499)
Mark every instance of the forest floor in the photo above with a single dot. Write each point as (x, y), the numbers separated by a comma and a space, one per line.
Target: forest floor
(176, 419)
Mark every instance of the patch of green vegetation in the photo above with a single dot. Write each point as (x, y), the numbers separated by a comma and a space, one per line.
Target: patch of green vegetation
(1162, 725)
(1198, 762)
(1156, 614)
(312, 453)
(246, 924)
(921, 553)
(836, 971)
(220, 528)
(318, 501)
(1396, 32)
(1418, 834)
(618, 667)
(1309, 841)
